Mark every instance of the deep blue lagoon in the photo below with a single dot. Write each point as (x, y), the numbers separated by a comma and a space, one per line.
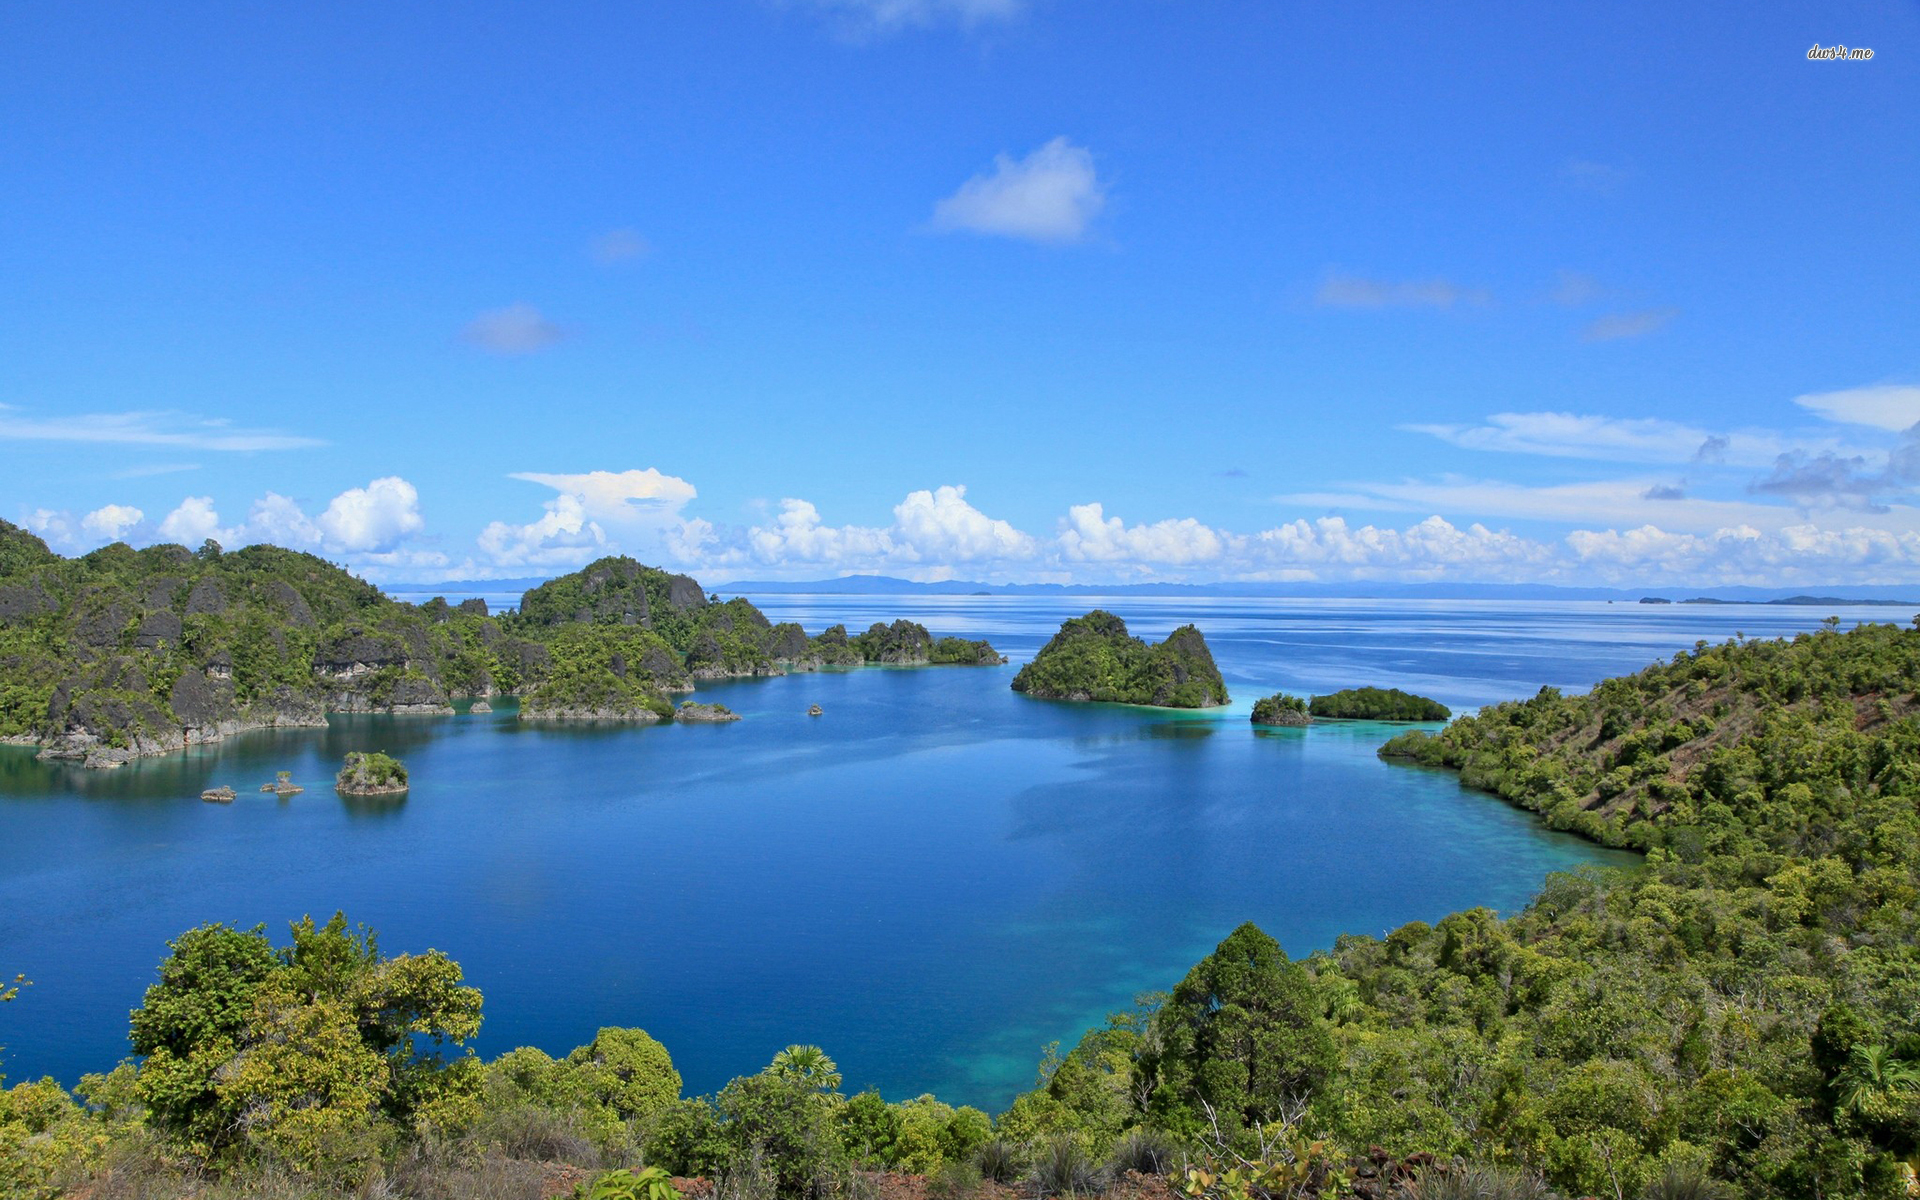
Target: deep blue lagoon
(932, 880)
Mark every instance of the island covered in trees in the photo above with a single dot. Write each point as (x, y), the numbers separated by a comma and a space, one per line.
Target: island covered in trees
(1094, 658)
(123, 653)
(1377, 704)
(1281, 709)
(1736, 1016)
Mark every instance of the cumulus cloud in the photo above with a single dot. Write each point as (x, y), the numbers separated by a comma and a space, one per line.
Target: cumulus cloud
(619, 496)
(1616, 326)
(1894, 407)
(1051, 195)
(1354, 291)
(515, 329)
(620, 245)
(112, 522)
(1089, 535)
(562, 538)
(940, 525)
(595, 510)
(145, 429)
(935, 526)
(375, 517)
(1803, 553)
(1610, 439)
(193, 522)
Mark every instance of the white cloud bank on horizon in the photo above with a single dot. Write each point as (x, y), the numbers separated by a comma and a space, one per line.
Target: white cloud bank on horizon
(1052, 195)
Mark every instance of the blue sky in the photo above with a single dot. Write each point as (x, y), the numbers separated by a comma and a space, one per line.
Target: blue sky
(997, 289)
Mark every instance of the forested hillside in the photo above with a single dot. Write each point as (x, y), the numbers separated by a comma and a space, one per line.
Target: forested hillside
(122, 653)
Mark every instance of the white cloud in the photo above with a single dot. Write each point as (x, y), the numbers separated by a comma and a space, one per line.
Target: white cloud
(888, 15)
(372, 518)
(1353, 291)
(145, 429)
(1424, 550)
(1741, 554)
(112, 522)
(563, 538)
(194, 522)
(515, 329)
(1611, 439)
(279, 520)
(1615, 326)
(620, 496)
(1089, 535)
(941, 525)
(1051, 195)
(1893, 407)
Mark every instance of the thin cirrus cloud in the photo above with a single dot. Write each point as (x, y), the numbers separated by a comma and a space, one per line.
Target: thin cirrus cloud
(1607, 439)
(1359, 292)
(1052, 195)
(173, 429)
(619, 245)
(515, 329)
(1616, 327)
(887, 16)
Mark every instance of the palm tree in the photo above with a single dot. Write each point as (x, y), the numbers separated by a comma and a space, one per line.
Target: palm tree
(1875, 1085)
(809, 1065)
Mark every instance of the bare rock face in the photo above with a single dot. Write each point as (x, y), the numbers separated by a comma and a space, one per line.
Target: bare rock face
(218, 795)
(683, 592)
(25, 601)
(163, 593)
(480, 706)
(291, 602)
(477, 606)
(102, 622)
(157, 629)
(207, 598)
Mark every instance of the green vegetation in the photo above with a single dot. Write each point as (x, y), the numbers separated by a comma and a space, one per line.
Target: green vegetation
(368, 774)
(1094, 658)
(1738, 1016)
(122, 652)
(1378, 704)
(1280, 709)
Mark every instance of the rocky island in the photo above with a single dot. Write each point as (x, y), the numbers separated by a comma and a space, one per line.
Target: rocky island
(373, 774)
(1281, 710)
(704, 714)
(1094, 658)
(123, 653)
(1378, 704)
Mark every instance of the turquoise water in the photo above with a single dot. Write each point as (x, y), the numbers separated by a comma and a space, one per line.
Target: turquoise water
(932, 880)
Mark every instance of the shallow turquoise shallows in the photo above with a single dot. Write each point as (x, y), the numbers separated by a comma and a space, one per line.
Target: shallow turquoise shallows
(932, 880)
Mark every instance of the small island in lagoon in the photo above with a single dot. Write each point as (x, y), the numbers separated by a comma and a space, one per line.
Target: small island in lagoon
(1378, 704)
(1094, 658)
(371, 774)
(1282, 711)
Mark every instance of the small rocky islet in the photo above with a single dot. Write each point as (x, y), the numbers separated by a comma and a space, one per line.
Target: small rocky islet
(371, 774)
(1094, 658)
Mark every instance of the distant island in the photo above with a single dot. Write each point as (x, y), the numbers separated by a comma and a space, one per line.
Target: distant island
(1094, 658)
(1281, 709)
(1378, 704)
(124, 653)
(1797, 601)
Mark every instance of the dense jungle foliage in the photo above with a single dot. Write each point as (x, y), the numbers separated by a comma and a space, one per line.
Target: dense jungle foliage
(1378, 704)
(1095, 658)
(124, 652)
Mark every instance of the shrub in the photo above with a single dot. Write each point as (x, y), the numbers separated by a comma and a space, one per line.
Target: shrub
(1147, 1151)
(1000, 1161)
(1063, 1168)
